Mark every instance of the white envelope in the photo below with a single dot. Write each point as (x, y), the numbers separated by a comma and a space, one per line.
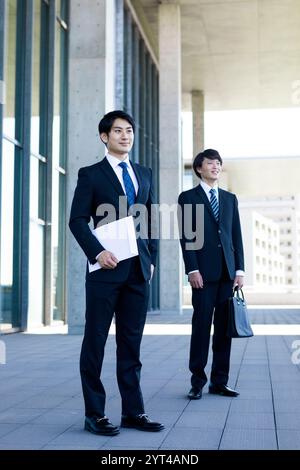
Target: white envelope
(119, 238)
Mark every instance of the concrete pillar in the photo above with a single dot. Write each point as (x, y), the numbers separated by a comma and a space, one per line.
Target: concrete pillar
(91, 72)
(198, 125)
(170, 148)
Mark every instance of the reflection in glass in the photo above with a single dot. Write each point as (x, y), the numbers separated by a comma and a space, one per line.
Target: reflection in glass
(36, 65)
(58, 243)
(36, 248)
(58, 193)
(7, 234)
(58, 8)
(55, 238)
(57, 94)
(10, 69)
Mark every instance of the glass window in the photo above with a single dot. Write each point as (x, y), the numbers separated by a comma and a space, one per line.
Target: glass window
(59, 249)
(36, 246)
(36, 66)
(10, 69)
(59, 162)
(9, 231)
(57, 95)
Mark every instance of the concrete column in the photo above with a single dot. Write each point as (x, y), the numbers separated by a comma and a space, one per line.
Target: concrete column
(170, 149)
(91, 61)
(198, 125)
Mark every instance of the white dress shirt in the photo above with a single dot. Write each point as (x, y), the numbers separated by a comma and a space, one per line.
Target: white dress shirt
(114, 163)
(206, 189)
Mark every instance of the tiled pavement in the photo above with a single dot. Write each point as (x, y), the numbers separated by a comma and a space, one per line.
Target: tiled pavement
(41, 404)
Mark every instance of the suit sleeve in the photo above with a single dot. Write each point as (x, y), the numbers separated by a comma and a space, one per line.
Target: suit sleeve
(81, 212)
(152, 223)
(237, 238)
(184, 220)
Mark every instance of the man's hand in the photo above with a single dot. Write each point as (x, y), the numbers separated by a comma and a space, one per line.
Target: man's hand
(196, 281)
(107, 260)
(238, 281)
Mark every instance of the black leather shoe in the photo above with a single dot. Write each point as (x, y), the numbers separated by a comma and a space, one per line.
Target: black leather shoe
(222, 390)
(141, 422)
(101, 426)
(195, 393)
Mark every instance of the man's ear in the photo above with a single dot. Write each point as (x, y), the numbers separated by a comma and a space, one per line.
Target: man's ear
(104, 137)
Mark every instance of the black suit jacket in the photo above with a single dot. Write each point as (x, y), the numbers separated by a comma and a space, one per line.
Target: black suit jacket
(98, 184)
(224, 235)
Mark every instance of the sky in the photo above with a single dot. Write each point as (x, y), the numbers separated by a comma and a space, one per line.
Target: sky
(247, 133)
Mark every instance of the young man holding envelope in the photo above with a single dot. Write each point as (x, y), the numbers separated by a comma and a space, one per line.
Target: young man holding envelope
(119, 287)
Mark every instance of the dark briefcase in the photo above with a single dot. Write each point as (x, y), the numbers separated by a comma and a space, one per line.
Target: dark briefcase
(238, 321)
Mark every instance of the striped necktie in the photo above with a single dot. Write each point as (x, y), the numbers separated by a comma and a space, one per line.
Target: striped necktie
(129, 188)
(214, 203)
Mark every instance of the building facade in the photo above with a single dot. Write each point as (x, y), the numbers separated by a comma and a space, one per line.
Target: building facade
(62, 66)
(33, 68)
(265, 264)
(284, 211)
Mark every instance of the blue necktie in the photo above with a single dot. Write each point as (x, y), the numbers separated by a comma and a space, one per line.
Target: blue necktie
(214, 203)
(129, 188)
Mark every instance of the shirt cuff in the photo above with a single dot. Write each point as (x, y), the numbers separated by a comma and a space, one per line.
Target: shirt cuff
(239, 272)
(96, 257)
(196, 271)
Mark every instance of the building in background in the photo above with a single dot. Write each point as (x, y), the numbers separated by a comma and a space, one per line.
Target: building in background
(265, 264)
(284, 211)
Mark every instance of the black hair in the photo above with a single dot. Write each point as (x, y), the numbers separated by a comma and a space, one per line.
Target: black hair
(210, 154)
(108, 119)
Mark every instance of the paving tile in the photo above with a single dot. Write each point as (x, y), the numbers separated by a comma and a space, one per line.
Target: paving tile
(202, 419)
(252, 406)
(192, 439)
(6, 428)
(19, 415)
(289, 421)
(34, 435)
(58, 416)
(288, 439)
(242, 421)
(248, 439)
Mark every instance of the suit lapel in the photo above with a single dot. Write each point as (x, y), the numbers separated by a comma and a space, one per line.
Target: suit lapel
(204, 198)
(111, 175)
(139, 178)
(221, 205)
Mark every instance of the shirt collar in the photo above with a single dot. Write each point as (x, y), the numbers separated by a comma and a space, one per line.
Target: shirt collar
(114, 161)
(207, 188)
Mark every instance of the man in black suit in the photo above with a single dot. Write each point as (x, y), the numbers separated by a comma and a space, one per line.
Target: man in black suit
(213, 270)
(120, 288)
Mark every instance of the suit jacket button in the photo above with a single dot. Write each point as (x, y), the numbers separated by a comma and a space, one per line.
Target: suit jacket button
(219, 231)
(219, 245)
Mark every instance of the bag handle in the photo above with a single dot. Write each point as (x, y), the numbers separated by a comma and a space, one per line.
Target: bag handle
(236, 293)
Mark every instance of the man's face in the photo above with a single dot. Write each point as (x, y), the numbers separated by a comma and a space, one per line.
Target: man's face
(210, 170)
(119, 141)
